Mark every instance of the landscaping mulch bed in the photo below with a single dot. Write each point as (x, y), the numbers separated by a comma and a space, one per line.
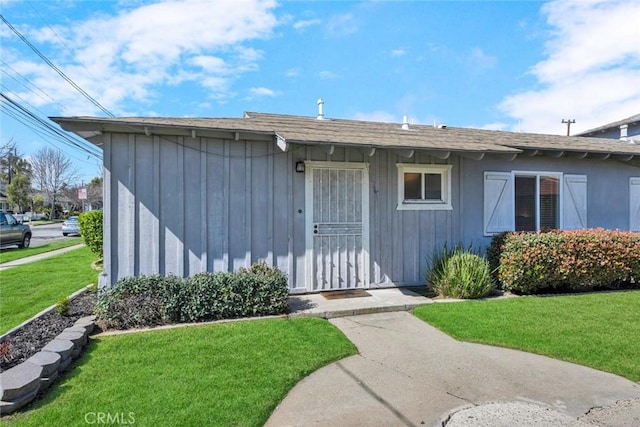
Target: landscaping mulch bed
(31, 338)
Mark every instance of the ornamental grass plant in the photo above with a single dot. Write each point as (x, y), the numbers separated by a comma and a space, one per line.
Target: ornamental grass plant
(460, 273)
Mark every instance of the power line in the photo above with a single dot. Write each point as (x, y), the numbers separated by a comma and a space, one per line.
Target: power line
(25, 85)
(38, 124)
(56, 69)
(56, 34)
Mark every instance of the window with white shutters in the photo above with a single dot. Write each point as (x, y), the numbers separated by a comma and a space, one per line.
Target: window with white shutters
(530, 201)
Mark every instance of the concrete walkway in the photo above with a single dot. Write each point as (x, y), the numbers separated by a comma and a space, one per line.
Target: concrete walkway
(38, 257)
(410, 374)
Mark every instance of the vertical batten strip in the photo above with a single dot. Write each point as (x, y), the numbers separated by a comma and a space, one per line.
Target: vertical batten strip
(248, 203)
(290, 261)
(204, 240)
(270, 206)
(129, 211)
(109, 234)
(226, 185)
(182, 210)
(156, 202)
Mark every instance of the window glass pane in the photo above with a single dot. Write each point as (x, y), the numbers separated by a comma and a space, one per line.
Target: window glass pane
(525, 189)
(433, 186)
(549, 202)
(412, 186)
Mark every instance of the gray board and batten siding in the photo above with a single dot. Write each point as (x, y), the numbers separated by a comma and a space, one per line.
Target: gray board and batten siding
(184, 206)
(182, 201)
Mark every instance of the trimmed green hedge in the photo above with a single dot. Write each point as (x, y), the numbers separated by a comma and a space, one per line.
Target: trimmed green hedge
(493, 255)
(569, 260)
(156, 300)
(90, 224)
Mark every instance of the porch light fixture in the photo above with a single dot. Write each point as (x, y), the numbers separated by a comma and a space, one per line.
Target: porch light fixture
(300, 167)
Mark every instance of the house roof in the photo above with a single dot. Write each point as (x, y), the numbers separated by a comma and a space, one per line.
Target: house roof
(614, 125)
(309, 130)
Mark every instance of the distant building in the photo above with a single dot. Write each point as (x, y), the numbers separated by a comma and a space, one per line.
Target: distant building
(4, 202)
(625, 130)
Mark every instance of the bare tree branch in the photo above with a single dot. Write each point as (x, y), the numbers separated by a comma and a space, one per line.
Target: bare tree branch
(52, 170)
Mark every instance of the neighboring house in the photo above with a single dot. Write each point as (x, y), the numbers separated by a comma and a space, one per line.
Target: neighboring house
(627, 130)
(4, 201)
(339, 203)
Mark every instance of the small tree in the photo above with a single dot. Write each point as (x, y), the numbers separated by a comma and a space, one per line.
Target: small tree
(51, 171)
(18, 192)
(38, 203)
(90, 224)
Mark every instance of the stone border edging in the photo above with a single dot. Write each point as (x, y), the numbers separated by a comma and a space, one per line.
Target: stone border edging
(21, 384)
(11, 332)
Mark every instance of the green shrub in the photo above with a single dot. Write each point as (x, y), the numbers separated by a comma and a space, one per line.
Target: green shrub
(265, 289)
(90, 224)
(62, 306)
(460, 274)
(493, 255)
(569, 260)
(133, 302)
(153, 300)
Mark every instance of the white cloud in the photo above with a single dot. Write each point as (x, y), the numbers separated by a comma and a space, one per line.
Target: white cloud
(327, 75)
(342, 25)
(398, 52)
(292, 72)
(262, 91)
(376, 116)
(306, 23)
(127, 56)
(592, 68)
(492, 126)
(481, 60)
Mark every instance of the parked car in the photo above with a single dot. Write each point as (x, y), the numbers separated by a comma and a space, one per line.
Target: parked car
(70, 226)
(13, 232)
(35, 216)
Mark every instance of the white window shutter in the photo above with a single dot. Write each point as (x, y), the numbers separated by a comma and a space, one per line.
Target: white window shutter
(498, 203)
(634, 204)
(574, 202)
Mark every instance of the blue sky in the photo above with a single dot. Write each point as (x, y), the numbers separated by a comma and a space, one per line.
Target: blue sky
(509, 65)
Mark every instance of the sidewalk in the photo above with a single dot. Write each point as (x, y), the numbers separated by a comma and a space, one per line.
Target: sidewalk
(33, 258)
(408, 373)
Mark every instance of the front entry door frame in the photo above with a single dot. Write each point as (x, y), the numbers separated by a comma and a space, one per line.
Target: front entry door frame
(310, 167)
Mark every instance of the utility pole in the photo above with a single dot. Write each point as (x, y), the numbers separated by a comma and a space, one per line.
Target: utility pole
(568, 122)
(9, 161)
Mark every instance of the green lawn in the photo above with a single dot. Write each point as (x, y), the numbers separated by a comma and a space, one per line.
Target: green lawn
(231, 374)
(12, 254)
(28, 289)
(599, 330)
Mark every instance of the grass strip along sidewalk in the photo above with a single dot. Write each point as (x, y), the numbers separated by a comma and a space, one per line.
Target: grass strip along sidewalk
(229, 374)
(11, 254)
(26, 290)
(599, 330)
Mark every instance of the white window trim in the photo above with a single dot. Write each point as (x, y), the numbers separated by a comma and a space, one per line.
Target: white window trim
(425, 205)
(537, 175)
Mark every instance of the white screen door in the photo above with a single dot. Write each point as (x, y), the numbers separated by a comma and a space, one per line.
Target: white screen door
(337, 226)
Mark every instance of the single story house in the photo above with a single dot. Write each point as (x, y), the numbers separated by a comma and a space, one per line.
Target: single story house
(625, 130)
(339, 203)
